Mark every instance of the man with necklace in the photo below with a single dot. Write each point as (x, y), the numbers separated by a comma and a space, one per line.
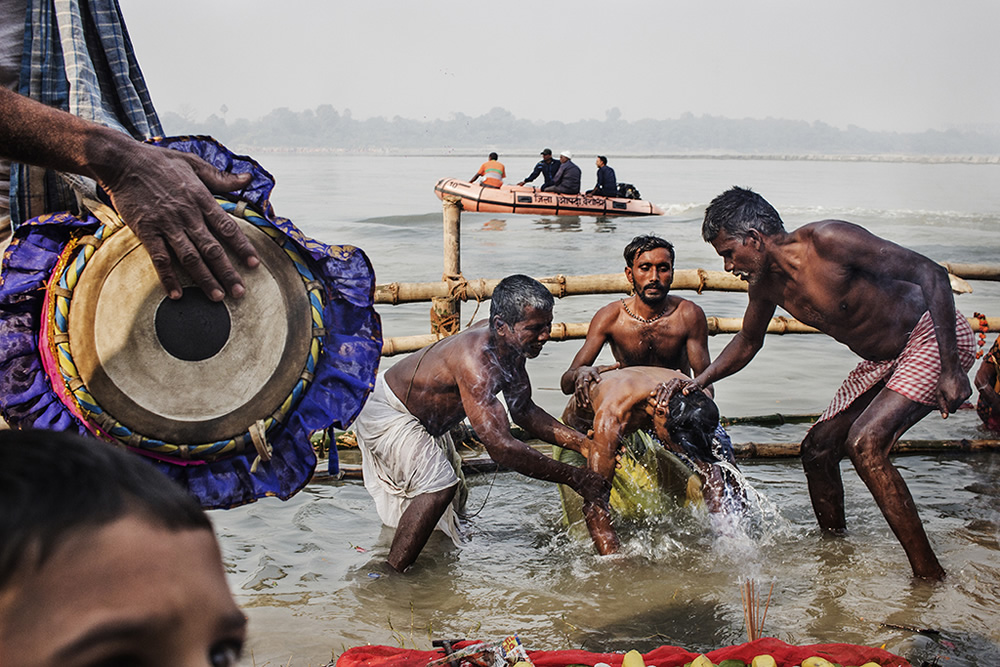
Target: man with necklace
(649, 328)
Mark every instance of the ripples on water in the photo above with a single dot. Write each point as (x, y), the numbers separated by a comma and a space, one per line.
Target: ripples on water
(308, 571)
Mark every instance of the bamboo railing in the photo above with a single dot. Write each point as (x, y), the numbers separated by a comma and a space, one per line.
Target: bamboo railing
(454, 288)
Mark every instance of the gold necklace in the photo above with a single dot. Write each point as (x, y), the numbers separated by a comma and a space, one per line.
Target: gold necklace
(643, 319)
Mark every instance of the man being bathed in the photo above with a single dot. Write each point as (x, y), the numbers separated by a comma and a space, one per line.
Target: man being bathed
(649, 397)
(408, 457)
(891, 306)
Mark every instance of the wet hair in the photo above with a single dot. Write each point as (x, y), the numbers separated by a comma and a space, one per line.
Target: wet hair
(54, 483)
(514, 295)
(645, 243)
(603, 159)
(493, 156)
(691, 421)
(738, 210)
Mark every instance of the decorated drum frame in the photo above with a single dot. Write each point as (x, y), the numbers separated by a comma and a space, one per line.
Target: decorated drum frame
(60, 364)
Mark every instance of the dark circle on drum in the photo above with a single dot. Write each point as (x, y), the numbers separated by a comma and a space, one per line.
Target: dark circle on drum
(193, 327)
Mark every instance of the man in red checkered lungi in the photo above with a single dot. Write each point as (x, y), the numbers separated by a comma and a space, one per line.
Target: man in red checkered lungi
(890, 305)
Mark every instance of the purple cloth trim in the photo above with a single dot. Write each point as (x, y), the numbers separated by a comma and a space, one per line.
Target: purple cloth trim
(345, 373)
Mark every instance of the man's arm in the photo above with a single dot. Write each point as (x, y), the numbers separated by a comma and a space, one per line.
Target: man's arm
(744, 345)
(580, 374)
(489, 420)
(856, 247)
(534, 174)
(697, 341)
(162, 195)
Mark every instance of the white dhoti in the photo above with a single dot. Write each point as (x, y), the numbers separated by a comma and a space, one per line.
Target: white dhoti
(401, 460)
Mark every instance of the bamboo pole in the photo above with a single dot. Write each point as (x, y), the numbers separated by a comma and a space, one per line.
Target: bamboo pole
(577, 330)
(768, 450)
(446, 310)
(744, 451)
(603, 283)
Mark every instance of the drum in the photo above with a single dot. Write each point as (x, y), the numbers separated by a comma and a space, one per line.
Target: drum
(189, 379)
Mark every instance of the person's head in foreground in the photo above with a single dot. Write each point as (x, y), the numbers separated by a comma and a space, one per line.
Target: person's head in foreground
(105, 561)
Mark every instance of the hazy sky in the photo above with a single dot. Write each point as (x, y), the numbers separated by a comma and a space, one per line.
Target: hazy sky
(904, 65)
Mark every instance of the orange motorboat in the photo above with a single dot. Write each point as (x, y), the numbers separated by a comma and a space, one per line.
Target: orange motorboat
(531, 200)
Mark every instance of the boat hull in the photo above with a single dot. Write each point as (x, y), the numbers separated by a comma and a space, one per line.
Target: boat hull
(532, 201)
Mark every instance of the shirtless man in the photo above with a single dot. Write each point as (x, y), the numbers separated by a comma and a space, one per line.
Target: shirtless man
(646, 397)
(891, 306)
(650, 328)
(403, 428)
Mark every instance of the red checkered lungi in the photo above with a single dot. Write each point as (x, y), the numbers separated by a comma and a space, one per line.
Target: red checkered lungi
(914, 373)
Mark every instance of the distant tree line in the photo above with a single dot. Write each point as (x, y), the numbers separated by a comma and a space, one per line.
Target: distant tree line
(325, 128)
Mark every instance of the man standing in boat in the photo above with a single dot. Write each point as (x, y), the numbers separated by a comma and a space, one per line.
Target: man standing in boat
(547, 167)
(607, 184)
(409, 461)
(567, 178)
(891, 306)
(492, 172)
(649, 328)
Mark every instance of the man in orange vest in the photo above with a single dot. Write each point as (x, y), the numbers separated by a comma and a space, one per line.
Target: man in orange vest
(492, 172)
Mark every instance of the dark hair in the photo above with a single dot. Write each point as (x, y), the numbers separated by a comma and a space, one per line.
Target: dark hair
(645, 243)
(691, 422)
(515, 294)
(602, 159)
(53, 483)
(493, 156)
(738, 210)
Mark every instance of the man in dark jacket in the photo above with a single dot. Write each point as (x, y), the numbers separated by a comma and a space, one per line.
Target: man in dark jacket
(547, 167)
(567, 179)
(607, 184)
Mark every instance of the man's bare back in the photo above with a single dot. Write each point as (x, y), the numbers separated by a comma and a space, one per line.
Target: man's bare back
(890, 305)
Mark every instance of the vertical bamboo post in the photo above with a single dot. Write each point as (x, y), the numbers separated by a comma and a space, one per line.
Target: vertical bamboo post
(446, 312)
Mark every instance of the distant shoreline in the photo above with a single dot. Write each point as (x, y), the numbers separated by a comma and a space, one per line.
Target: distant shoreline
(914, 159)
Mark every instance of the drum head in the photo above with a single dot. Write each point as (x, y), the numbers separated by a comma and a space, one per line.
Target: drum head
(191, 370)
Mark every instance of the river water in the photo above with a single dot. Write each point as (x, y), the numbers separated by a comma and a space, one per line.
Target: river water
(307, 571)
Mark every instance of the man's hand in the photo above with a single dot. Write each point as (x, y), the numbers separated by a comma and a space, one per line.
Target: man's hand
(592, 487)
(586, 376)
(165, 197)
(952, 390)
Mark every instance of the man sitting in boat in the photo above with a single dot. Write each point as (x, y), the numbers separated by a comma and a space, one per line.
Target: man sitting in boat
(567, 178)
(547, 167)
(408, 459)
(492, 172)
(650, 398)
(607, 184)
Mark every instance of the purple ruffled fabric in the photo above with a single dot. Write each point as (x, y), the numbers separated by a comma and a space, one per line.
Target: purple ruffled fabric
(345, 373)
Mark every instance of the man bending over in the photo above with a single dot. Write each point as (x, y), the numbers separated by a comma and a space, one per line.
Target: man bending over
(891, 306)
(407, 455)
(647, 397)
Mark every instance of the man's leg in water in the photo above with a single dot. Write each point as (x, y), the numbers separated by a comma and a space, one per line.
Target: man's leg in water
(868, 444)
(608, 430)
(821, 452)
(416, 525)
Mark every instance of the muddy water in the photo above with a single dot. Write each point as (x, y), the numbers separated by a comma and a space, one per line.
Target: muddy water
(308, 570)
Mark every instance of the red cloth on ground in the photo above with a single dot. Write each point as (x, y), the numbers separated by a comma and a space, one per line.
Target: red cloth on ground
(784, 654)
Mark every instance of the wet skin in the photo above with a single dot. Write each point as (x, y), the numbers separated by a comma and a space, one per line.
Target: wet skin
(677, 339)
(626, 400)
(867, 293)
(460, 376)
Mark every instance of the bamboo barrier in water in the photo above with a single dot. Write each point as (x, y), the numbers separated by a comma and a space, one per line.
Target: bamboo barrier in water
(446, 295)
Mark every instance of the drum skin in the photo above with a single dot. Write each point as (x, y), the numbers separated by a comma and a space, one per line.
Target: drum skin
(191, 370)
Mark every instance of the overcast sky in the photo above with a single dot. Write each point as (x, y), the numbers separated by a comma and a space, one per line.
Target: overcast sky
(903, 65)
